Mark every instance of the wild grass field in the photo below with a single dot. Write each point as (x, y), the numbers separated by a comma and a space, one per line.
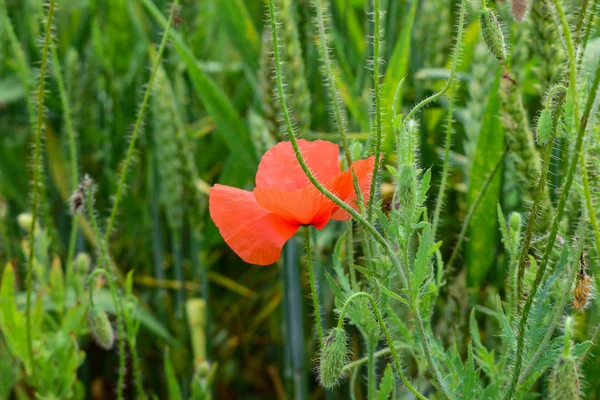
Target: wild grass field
(299, 199)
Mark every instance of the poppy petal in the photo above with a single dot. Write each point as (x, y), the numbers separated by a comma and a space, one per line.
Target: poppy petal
(252, 232)
(279, 167)
(343, 186)
(306, 206)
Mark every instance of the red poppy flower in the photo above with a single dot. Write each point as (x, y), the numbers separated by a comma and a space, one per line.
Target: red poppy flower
(257, 224)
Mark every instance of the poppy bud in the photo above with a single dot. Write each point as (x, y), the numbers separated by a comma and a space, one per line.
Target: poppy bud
(333, 358)
(544, 127)
(82, 263)
(101, 328)
(492, 34)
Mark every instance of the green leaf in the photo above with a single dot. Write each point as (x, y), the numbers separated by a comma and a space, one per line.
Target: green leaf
(387, 384)
(171, 378)
(481, 248)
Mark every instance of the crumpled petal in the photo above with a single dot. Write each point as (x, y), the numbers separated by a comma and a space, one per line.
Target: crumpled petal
(253, 233)
(306, 206)
(279, 168)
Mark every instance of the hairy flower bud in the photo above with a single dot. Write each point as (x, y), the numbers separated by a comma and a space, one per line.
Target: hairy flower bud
(83, 263)
(564, 383)
(101, 328)
(492, 34)
(407, 192)
(333, 358)
(544, 127)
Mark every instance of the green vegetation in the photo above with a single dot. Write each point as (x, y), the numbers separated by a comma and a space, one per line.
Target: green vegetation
(467, 271)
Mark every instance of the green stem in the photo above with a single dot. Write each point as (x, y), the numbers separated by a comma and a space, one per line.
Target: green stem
(290, 131)
(350, 248)
(378, 113)
(72, 153)
(455, 59)
(138, 124)
(472, 210)
(565, 192)
(336, 101)
(109, 277)
(588, 200)
(371, 381)
(537, 201)
(440, 199)
(313, 286)
(37, 178)
(386, 332)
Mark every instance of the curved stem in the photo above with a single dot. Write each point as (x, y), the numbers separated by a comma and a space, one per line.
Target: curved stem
(440, 199)
(386, 332)
(472, 210)
(434, 97)
(330, 78)
(290, 131)
(378, 116)
(313, 286)
(37, 178)
(138, 124)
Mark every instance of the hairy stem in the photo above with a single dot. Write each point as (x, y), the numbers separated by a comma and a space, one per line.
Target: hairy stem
(386, 332)
(138, 124)
(440, 199)
(313, 286)
(455, 59)
(37, 178)
(378, 112)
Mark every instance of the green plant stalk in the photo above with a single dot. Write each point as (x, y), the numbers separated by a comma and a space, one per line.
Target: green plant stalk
(560, 308)
(581, 128)
(115, 298)
(37, 179)
(378, 112)
(440, 199)
(371, 379)
(539, 194)
(72, 152)
(290, 131)
(336, 101)
(586, 34)
(361, 361)
(435, 96)
(313, 286)
(588, 200)
(138, 123)
(350, 245)
(386, 332)
(472, 210)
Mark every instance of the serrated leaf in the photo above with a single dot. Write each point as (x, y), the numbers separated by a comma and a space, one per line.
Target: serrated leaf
(387, 384)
